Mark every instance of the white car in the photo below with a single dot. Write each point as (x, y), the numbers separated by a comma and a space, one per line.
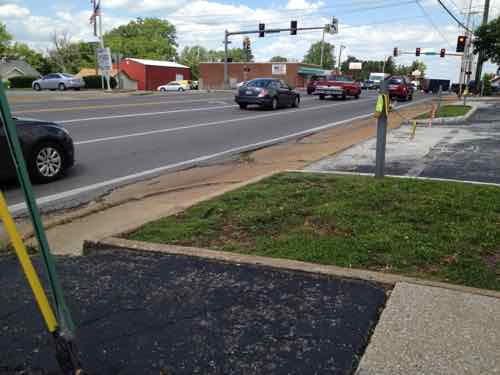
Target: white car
(174, 86)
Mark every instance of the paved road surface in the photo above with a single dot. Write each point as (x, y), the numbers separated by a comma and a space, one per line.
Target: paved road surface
(122, 139)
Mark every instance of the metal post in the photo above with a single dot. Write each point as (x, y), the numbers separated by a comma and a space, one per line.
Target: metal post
(381, 133)
(226, 72)
(480, 58)
(322, 49)
(340, 57)
(102, 46)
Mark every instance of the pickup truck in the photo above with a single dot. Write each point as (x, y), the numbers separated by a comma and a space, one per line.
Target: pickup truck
(337, 86)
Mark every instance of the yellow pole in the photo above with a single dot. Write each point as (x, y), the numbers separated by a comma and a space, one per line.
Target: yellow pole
(29, 270)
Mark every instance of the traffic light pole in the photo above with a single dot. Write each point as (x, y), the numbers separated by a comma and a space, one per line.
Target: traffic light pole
(226, 42)
(480, 58)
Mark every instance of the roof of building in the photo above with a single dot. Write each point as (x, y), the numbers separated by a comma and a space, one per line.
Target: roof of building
(21, 66)
(169, 64)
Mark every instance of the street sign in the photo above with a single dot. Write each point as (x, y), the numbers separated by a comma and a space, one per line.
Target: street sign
(104, 59)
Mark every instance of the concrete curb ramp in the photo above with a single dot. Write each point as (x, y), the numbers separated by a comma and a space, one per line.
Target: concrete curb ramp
(451, 120)
(426, 328)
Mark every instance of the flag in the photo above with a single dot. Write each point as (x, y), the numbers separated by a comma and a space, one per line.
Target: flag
(96, 11)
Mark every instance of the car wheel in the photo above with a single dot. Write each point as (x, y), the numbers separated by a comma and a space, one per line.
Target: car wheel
(344, 96)
(163, 89)
(181, 89)
(296, 102)
(47, 163)
(37, 87)
(321, 97)
(356, 96)
(61, 87)
(243, 106)
(274, 104)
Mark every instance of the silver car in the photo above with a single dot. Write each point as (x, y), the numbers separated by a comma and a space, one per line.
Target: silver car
(58, 81)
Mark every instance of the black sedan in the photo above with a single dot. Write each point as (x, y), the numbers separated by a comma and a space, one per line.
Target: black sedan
(268, 93)
(47, 147)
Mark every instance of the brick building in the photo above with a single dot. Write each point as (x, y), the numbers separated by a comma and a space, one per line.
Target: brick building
(149, 74)
(295, 74)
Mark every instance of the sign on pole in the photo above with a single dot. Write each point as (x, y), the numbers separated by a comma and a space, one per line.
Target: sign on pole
(104, 59)
(355, 66)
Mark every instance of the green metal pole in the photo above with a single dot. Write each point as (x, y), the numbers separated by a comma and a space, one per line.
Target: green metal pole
(67, 327)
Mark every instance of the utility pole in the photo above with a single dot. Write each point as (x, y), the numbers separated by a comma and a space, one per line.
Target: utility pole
(466, 56)
(322, 49)
(480, 58)
(226, 68)
(101, 37)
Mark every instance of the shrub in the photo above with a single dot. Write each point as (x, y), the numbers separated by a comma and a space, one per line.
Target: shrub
(487, 89)
(22, 82)
(94, 82)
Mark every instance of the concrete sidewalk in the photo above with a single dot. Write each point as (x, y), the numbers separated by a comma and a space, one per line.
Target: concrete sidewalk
(462, 152)
(425, 330)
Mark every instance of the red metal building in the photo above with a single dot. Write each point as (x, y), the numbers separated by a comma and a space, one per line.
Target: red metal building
(150, 74)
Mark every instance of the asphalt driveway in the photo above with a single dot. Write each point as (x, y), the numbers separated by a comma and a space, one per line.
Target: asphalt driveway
(147, 313)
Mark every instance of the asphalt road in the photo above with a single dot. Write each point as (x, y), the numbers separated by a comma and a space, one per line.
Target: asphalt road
(122, 139)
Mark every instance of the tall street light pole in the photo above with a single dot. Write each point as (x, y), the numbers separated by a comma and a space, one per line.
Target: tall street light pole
(480, 58)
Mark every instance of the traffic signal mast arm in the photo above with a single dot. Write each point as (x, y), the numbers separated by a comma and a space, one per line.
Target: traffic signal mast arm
(430, 53)
(270, 31)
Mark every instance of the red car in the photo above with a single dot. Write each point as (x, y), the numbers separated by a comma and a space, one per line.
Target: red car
(337, 86)
(311, 86)
(400, 88)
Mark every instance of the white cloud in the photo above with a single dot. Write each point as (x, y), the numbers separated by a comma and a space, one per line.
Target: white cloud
(303, 5)
(13, 10)
(143, 5)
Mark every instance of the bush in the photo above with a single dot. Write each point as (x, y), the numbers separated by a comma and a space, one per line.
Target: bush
(22, 82)
(6, 83)
(95, 82)
(487, 88)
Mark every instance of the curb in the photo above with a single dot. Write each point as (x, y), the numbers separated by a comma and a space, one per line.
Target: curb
(385, 279)
(450, 120)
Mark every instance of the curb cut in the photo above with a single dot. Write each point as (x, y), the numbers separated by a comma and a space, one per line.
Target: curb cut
(450, 120)
(385, 279)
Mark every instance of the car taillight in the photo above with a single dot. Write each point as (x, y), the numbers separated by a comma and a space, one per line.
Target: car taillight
(262, 93)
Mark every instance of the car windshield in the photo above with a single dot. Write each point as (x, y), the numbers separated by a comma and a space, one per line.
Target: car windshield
(395, 81)
(67, 75)
(258, 83)
(173, 83)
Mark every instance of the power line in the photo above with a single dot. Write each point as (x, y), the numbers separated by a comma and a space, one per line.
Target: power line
(453, 16)
(432, 23)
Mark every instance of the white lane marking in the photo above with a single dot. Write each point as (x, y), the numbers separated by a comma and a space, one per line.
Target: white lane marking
(74, 192)
(144, 114)
(212, 123)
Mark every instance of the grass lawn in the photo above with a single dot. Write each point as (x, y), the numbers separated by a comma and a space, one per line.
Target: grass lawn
(437, 230)
(448, 111)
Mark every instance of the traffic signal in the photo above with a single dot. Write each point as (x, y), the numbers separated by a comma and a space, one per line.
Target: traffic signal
(461, 43)
(262, 27)
(396, 52)
(417, 51)
(442, 53)
(246, 44)
(293, 28)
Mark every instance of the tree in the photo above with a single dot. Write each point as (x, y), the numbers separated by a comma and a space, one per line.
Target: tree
(5, 39)
(356, 74)
(486, 40)
(236, 54)
(313, 56)
(278, 59)
(66, 54)
(192, 56)
(21, 51)
(148, 38)
(87, 54)
(407, 70)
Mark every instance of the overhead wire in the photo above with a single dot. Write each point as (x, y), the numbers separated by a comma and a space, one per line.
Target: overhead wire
(433, 24)
(452, 15)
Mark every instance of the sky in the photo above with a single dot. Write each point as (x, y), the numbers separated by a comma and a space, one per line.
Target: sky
(369, 29)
